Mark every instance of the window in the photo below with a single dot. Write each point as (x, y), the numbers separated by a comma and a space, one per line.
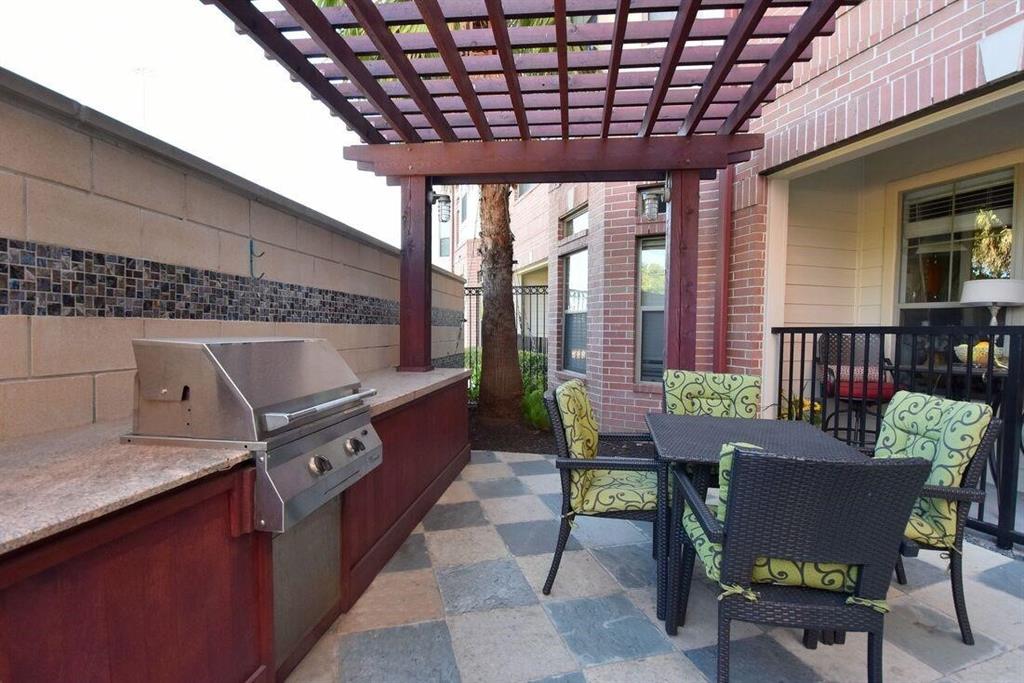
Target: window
(463, 205)
(575, 222)
(574, 328)
(445, 246)
(651, 309)
(523, 188)
(953, 233)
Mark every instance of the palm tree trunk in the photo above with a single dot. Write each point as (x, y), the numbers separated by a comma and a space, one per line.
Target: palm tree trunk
(501, 381)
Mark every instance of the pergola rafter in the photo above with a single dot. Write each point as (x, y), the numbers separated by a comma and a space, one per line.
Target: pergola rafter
(461, 91)
(742, 31)
(618, 37)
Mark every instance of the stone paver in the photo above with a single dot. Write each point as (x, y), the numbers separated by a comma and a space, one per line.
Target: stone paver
(461, 601)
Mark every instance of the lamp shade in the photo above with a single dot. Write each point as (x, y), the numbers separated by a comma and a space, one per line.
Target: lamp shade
(993, 292)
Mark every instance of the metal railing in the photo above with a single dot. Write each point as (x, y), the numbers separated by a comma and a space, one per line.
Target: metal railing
(531, 302)
(841, 378)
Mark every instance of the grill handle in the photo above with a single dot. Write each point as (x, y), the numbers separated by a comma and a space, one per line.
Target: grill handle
(274, 421)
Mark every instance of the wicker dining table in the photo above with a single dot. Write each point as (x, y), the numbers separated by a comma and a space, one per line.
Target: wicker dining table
(697, 441)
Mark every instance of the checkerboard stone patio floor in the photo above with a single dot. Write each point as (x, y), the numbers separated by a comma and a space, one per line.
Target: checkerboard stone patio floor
(461, 601)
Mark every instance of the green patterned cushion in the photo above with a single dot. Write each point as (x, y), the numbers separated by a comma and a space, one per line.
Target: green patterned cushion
(619, 491)
(711, 393)
(580, 427)
(829, 576)
(725, 472)
(946, 433)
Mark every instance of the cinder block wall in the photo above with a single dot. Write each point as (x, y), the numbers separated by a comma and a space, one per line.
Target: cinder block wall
(107, 235)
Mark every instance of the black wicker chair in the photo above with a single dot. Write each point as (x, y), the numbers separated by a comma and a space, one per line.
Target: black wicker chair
(966, 494)
(567, 465)
(852, 513)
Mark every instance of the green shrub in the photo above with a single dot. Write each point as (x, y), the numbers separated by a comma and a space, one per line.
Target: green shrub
(534, 412)
(533, 366)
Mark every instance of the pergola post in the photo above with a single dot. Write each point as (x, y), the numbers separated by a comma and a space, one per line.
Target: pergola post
(415, 294)
(681, 280)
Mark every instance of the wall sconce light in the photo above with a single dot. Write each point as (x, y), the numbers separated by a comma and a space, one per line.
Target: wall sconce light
(444, 205)
(652, 198)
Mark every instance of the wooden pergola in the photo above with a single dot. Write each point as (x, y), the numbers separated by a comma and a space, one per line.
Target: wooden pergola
(469, 91)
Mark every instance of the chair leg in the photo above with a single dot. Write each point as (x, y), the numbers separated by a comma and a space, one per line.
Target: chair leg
(563, 538)
(723, 649)
(654, 540)
(901, 573)
(875, 657)
(810, 639)
(957, 579)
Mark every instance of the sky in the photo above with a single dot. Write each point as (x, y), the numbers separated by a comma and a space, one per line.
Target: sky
(177, 70)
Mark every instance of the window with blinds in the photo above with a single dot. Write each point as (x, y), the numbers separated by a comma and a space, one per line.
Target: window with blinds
(953, 233)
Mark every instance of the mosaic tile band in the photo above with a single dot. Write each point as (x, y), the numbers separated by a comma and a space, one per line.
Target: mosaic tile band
(46, 280)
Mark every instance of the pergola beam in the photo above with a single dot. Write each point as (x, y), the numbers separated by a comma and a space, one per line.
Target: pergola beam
(684, 21)
(369, 18)
(251, 21)
(442, 36)
(577, 115)
(742, 30)
(495, 14)
(319, 29)
(533, 85)
(585, 60)
(576, 130)
(803, 33)
(619, 34)
(580, 100)
(534, 37)
(593, 155)
(398, 13)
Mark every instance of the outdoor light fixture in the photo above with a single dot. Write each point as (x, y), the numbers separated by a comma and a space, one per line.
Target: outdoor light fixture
(444, 205)
(652, 198)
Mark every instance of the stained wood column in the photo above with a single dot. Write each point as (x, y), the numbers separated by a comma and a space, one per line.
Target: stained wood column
(414, 312)
(681, 279)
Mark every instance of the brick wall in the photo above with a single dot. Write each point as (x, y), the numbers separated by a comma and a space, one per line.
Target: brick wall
(885, 61)
(69, 188)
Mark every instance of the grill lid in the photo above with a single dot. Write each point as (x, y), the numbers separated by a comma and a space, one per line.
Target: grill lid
(238, 389)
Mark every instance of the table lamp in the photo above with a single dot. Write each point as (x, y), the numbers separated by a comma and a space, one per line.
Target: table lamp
(993, 293)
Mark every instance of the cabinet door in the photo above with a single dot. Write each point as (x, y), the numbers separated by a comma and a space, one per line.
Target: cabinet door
(174, 589)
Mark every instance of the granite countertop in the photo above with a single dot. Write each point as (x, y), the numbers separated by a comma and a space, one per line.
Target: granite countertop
(55, 481)
(58, 480)
(397, 388)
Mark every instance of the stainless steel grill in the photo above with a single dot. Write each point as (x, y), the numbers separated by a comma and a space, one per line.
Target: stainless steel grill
(294, 402)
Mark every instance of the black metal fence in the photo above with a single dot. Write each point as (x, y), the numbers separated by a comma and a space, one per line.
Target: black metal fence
(531, 304)
(842, 377)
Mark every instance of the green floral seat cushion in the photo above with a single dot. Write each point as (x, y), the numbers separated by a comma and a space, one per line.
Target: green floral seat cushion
(580, 426)
(620, 491)
(711, 393)
(946, 433)
(830, 576)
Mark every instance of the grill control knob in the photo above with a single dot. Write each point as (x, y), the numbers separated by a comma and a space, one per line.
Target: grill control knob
(354, 446)
(319, 465)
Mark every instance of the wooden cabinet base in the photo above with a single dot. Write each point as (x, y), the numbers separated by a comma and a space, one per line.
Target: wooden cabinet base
(177, 588)
(426, 445)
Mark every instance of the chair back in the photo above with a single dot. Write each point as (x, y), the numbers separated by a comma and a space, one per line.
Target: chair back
(817, 511)
(711, 393)
(573, 420)
(857, 356)
(949, 434)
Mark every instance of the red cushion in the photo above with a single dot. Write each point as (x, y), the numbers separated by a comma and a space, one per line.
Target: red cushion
(870, 390)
